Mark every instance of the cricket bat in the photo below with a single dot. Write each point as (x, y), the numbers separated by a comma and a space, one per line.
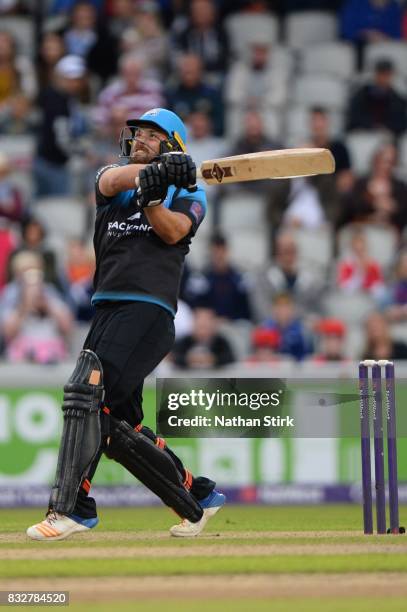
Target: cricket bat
(283, 163)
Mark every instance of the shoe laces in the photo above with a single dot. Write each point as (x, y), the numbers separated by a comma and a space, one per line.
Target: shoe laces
(51, 517)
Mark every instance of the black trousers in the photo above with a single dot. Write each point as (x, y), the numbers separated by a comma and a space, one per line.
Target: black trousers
(131, 339)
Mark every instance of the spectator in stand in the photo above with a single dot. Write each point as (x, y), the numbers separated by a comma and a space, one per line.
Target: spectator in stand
(18, 87)
(63, 124)
(379, 198)
(331, 334)
(52, 49)
(90, 39)
(370, 21)
(304, 207)
(205, 348)
(11, 210)
(145, 34)
(265, 346)
(11, 199)
(396, 311)
(33, 240)
(289, 275)
(202, 143)
(9, 7)
(260, 81)
(253, 139)
(330, 187)
(224, 289)
(289, 6)
(80, 264)
(320, 135)
(121, 14)
(80, 267)
(357, 271)
(17, 116)
(103, 145)
(286, 322)
(184, 320)
(203, 34)
(35, 321)
(16, 71)
(131, 91)
(63, 7)
(191, 93)
(377, 105)
(379, 343)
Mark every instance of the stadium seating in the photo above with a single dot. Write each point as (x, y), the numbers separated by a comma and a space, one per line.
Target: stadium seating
(352, 308)
(314, 248)
(309, 28)
(245, 29)
(320, 90)
(362, 145)
(64, 217)
(249, 249)
(243, 210)
(332, 58)
(238, 334)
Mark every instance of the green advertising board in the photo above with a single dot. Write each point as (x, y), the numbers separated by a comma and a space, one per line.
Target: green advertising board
(30, 429)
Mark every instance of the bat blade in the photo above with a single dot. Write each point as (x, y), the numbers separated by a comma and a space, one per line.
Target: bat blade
(283, 163)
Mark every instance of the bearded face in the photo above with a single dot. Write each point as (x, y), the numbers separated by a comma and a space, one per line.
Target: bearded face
(145, 145)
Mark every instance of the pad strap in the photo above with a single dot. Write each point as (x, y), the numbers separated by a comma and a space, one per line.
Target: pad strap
(153, 466)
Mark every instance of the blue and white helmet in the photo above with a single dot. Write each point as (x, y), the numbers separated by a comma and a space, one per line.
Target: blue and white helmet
(162, 119)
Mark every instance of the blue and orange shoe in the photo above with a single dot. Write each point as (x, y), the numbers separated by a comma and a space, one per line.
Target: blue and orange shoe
(57, 526)
(211, 505)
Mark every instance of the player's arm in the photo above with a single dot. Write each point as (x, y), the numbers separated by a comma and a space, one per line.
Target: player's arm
(118, 178)
(170, 226)
(179, 170)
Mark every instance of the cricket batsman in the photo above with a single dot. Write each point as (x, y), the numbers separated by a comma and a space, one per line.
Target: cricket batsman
(147, 213)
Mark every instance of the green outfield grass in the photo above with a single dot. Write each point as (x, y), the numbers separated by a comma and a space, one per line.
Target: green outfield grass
(309, 538)
(277, 605)
(231, 518)
(359, 604)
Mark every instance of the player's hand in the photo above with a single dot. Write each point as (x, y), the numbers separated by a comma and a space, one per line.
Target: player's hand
(181, 169)
(153, 185)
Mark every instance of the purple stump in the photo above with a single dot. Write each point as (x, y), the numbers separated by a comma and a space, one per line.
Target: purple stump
(392, 448)
(365, 448)
(378, 449)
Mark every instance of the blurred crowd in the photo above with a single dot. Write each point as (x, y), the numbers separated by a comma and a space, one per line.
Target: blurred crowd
(300, 269)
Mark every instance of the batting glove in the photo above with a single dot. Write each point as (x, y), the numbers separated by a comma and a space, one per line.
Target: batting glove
(153, 185)
(180, 168)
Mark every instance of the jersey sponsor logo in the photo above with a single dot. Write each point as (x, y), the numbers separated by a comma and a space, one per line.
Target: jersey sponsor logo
(136, 215)
(197, 210)
(122, 228)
